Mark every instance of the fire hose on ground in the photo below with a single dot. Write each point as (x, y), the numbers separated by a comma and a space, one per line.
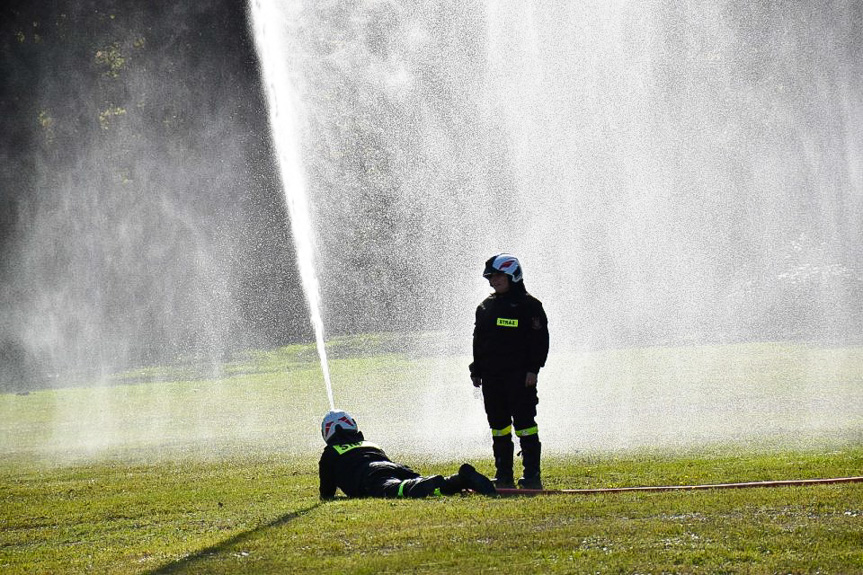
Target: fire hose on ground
(509, 492)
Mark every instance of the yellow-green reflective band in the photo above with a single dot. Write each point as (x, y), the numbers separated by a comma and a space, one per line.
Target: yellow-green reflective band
(504, 322)
(502, 432)
(402, 489)
(529, 431)
(437, 492)
(345, 447)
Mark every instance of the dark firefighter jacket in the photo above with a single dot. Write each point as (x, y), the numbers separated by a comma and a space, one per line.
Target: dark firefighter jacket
(345, 462)
(510, 334)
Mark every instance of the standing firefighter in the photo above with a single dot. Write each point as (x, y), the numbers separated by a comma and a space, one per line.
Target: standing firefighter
(510, 345)
(361, 469)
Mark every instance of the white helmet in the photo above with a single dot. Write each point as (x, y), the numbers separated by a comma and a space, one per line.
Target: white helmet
(336, 419)
(503, 263)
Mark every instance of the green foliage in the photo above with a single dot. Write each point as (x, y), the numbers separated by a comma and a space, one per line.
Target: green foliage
(111, 60)
(107, 116)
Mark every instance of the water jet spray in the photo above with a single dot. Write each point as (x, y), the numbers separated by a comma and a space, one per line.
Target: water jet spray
(695, 166)
(272, 47)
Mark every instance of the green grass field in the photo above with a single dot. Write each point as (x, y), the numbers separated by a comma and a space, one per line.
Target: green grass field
(175, 471)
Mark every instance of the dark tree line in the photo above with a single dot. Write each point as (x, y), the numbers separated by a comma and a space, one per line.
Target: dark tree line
(140, 215)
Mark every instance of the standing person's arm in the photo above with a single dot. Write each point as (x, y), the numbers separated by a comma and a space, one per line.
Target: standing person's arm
(475, 375)
(537, 343)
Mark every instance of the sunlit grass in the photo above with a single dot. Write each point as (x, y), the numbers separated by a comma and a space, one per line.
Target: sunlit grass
(188, 469)
(766, 394)
(262, 515)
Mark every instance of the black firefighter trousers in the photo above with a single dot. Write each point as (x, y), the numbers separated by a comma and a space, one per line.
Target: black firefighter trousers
(390, 480)
(509, 404)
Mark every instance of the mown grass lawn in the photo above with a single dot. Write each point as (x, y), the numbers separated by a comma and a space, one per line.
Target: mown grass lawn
(173, 470)
(262, 515)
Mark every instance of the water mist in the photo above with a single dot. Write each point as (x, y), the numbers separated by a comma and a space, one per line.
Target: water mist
(681, 180)
(674, 176)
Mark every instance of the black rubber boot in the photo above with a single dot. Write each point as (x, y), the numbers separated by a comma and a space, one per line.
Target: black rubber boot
(531, 451)
(503, 456)
(476, 480)
(453, 484)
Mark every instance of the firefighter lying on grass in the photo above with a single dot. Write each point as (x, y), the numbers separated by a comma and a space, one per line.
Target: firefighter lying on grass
(361, 469)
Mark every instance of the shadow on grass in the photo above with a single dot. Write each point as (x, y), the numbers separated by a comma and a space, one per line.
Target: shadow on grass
(180, 565)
